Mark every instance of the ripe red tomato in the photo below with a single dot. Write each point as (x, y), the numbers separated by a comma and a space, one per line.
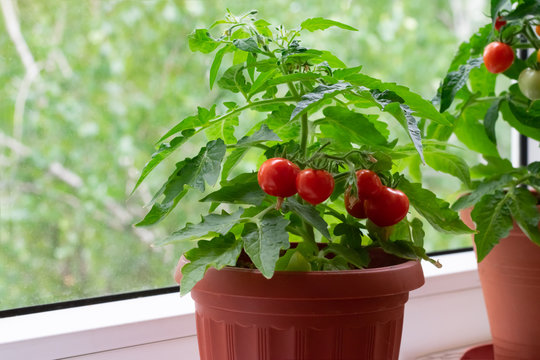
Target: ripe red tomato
(314, 186)
(355, 206)
(537, 29)
(277, 177)
(498, 57)
(499, 23)
(369, 183)
(389, 207)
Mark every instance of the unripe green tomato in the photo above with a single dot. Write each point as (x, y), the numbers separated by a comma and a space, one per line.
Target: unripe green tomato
(529, 83)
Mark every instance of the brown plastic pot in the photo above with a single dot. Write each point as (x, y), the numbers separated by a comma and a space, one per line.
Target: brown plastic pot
(339, 315)
(510, 277)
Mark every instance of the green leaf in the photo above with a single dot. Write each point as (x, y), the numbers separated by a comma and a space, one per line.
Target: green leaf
(309, 213)
(436, 211)
(509, 117)
(278, 121)
(223, 129)
(332, 60)
(248, 45)
(417, 232)
(243, 189)
(485, 188)
(401, 248)
(528, 7)
(262, 83)
(472, 133)
(200, 40)
(217, 253)
(525, 212)
(494, 167)
(445, 162)
(202, 118)
(262, 27)
(350, 126)
(320, 23)
(421, 107)
(262, 135)
(205, 167)
(217, 63)
(234, 80)
(159, 211)
(264, 239)
(210, 225)
(473, 48)
(493, 222)
(492, 114)
(358, 257)
(455, 80)
(162, 153)
(318, 94)
(232, 160)
(523, 115)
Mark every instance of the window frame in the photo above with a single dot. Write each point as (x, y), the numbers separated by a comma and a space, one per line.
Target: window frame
(163, 325)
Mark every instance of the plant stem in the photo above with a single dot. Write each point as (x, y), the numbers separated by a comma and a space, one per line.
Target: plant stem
(304, 135)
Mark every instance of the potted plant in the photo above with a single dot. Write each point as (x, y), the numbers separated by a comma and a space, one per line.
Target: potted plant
(497, 74)
(311, 253)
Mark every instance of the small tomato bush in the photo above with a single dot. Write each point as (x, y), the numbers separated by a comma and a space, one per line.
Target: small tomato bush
(318, 128)
(473, 96)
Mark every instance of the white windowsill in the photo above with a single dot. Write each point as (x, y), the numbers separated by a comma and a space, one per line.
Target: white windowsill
(447, 312)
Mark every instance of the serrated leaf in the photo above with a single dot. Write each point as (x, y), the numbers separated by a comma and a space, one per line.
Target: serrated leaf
(264, 239)
(232, 160)
(350, 126)
(202, 118)
(510, 118)
(525, 212)
(401, 248)
(436, 211)
(455, 80)
(320, 23)
(421, 107)
(309, 214)
(417, 232)
(217, 253)
(332, 60)
(159, 211)
(249, 45)
(223, 129)
(162, 153)
(217, 63)
(492, 114)
(358, 257)
(210, 225)
(524, 115)
(278, 121)
(485, 188)
(471, 132)
(262, 82)
(318, 94)
(493, 222)
(494, 167)
(204, 167)
(234, 80)
(243, 189)
(523, 9)
(445, 162)
(262, 135)
(200, 40)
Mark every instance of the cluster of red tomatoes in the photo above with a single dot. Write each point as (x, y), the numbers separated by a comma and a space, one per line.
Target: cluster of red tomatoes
(499, 56)
(383, 205)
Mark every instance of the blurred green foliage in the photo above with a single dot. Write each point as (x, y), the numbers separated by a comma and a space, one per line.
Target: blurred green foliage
(112, 76)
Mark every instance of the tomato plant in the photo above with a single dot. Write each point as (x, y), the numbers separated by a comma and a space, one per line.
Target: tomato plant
(529, 83)
(499, 23)
(388, 207)
(355, 206)
(277, 177)
(314, 186)
(498, 57)
(369, 183)
(537, 28)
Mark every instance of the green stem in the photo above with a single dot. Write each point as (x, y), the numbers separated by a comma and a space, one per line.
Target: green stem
(304, 135)
(248, 106)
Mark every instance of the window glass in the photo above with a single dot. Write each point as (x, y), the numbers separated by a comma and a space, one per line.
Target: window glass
(88, 87)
